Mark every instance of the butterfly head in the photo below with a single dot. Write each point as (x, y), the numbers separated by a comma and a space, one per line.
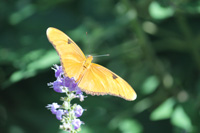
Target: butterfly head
(89, 57)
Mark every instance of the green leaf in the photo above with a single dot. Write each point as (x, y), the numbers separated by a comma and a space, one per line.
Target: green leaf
(45, 61)
(164, 111)
(22, 14)
(181, 119)
(150, 84)
(159, 12)
(85, 129)
(130, 126)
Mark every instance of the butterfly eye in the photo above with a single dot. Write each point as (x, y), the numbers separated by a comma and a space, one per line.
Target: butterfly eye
(88, 56)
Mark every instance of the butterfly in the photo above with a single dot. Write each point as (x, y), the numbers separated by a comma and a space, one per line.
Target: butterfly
(92, 78)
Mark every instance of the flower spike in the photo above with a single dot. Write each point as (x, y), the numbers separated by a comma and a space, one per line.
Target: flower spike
(66, 113)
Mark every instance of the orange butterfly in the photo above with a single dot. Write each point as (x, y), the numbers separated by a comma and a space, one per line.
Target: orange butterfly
(92, 78)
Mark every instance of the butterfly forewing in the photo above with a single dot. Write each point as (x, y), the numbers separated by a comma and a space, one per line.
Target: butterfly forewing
(71, 56)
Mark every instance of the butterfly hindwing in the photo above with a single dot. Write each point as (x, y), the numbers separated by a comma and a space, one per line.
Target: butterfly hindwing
(71, 56)
(98, 80)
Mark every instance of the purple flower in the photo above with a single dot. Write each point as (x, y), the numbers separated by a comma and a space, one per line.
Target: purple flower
(70, 86)
(78, 91)
(59, 114)
(70, 83)
(58, 70)
(76, 123)
(66, 81)
(73, 85)
(53, 107)
(78, 111)
(57, 85)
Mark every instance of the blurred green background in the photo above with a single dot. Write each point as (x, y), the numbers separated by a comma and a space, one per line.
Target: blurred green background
(153, 45)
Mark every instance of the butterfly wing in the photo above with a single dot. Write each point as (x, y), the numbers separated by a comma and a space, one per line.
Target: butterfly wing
(71, 56)
(98, 80)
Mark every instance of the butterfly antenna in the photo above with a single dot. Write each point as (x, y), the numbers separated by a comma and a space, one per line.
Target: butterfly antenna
(101, 55)
(88, 42)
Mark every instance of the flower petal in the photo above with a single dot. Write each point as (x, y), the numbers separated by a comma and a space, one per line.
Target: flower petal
(76, 123)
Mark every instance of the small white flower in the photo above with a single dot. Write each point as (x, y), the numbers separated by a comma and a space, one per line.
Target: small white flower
(81, 97)
(72, 96)
(66, 105)
(66, 127)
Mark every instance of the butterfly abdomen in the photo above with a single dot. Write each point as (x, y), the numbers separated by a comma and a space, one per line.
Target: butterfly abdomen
(86, 65)
(87, 62)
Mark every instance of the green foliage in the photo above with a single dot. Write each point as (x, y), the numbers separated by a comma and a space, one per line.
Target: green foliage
(130, 125)
(180, 119)
(153, 45)
(164, 111)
